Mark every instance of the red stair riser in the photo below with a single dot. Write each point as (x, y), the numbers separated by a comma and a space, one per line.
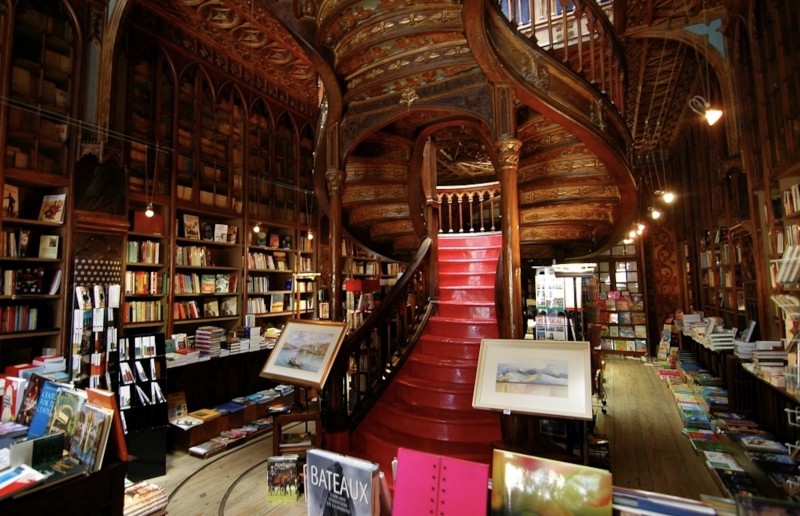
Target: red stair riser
(473, 430)
(470, 311)
(484, 240)
(462, 279)
(467, 294)
(468, 266)
(420, 393)
(466, 253)
(471, 328)
(447, 347)
(435, 371)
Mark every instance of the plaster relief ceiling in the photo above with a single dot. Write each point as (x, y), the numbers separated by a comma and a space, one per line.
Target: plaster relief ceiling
(246, 30)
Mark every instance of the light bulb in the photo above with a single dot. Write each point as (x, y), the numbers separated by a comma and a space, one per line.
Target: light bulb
(669, 197)
(712, 115)
(149, 211)
(640, 227)
(310, 235)
(632, 233)
(655, 214)
(257, 228)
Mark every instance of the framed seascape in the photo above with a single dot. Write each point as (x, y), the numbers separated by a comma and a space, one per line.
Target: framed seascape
(549, 378)
(305, 352)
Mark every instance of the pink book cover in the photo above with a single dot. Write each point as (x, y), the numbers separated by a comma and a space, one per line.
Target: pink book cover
(456, 486)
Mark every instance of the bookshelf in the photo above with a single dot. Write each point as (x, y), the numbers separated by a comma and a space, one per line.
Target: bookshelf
(32, 259)
(41, 88)
(145, 287)
(208, 268)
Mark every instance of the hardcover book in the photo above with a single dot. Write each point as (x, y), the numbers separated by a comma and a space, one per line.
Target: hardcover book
(340, 484)
(52, 209)
(524, 484)
(30, 398)
(90, 438)
(455, 486)
(44, 407)
(107, 399)
(48, 246)
(283, 479)
(191, 226)
(65, 413)
(13, 392)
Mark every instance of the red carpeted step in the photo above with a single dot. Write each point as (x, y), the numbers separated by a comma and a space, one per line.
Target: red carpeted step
(440, 424)
(467, 309)
(468, 253)
(467, 279)
(449, 347)
(459, 327)
(438, 369)
(417, 391)
(466, 294)
(467, 265)
(480, 240)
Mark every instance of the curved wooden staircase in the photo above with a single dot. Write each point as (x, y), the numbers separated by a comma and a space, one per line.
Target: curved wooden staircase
(428, 406)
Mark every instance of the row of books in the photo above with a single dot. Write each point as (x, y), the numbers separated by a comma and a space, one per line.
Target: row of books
(17, 244)
(142, 311)
(267, 261)
(145, 282)
(225, 283)
(19, 318)
(148, 252)
(226, 307)
(194, 256)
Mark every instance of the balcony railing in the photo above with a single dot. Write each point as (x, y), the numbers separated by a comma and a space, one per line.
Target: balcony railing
(470, 209)
(579, 33)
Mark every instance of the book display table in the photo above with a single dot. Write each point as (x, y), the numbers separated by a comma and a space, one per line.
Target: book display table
(102, 492)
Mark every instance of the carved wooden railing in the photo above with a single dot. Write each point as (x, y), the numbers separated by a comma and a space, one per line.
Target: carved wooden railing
(371, 355)
(470, 209)
(592, 47)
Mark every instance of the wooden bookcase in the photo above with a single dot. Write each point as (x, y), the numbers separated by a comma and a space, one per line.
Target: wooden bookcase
(208, 271)
(145, 288)
(40, 44)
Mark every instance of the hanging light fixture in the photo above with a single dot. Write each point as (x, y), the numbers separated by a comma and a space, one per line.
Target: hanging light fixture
(310, 232)
(700, 104)
(149, 186)
(702, 107)
(257, 227)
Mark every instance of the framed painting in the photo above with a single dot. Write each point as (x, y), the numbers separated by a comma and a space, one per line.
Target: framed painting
(305, 352)
(548, 378)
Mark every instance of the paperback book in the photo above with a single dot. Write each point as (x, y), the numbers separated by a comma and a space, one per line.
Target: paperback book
(90, 438)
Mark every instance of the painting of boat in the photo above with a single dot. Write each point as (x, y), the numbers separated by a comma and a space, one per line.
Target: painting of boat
(305, 351)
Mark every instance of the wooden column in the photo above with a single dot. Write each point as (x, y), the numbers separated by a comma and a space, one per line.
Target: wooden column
(335, 177)
(508, 150)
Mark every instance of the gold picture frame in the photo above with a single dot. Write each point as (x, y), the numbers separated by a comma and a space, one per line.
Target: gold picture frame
(305, 352)
(548, 378)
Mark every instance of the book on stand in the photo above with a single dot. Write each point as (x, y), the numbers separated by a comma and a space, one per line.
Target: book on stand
(340, 484)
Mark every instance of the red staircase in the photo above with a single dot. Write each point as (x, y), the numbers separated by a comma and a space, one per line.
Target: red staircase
(428, 407)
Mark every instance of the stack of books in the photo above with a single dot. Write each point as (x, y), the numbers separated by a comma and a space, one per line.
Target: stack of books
(208, 340)
(743, 349)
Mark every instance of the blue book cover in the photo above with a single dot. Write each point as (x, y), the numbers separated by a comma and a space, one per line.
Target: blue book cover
(44, 406)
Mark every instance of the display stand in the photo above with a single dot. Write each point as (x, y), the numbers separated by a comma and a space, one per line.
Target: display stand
(303, 411)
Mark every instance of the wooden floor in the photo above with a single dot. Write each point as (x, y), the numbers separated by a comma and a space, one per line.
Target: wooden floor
(647, 452)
